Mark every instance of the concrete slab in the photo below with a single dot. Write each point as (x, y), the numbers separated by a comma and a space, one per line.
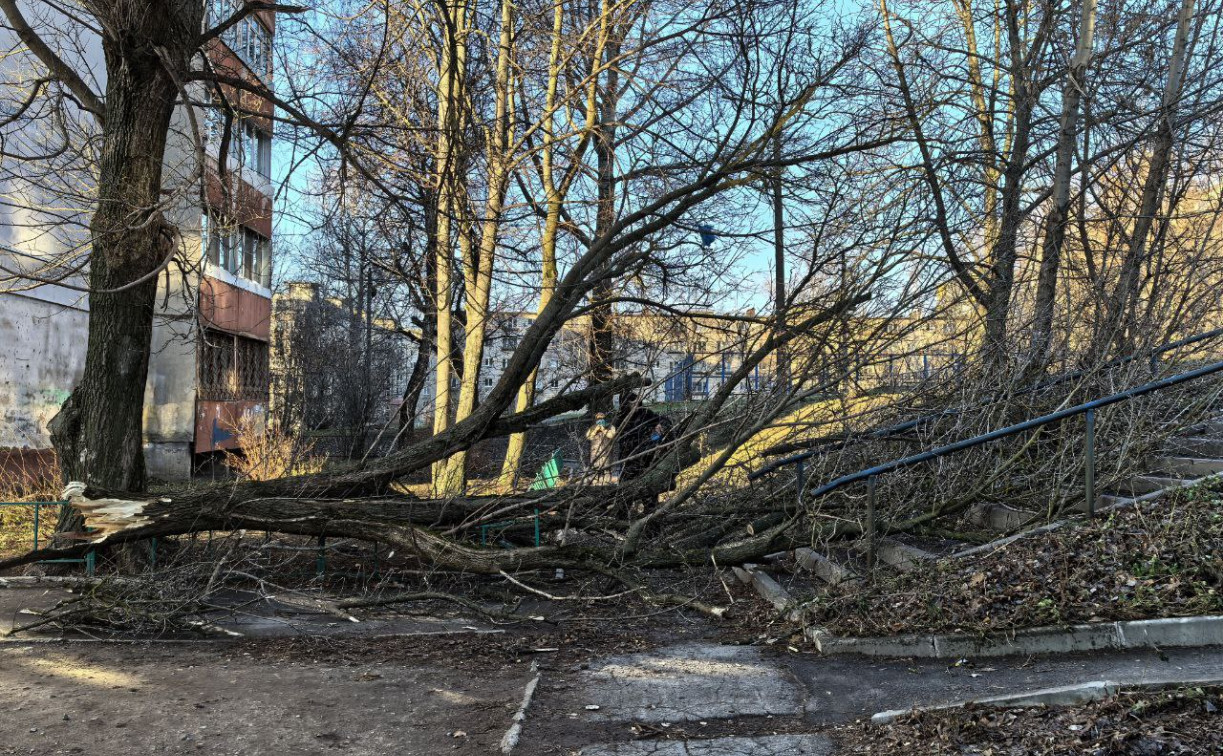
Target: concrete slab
(900, 556)
(822, 567)
(1145, 484)
(844, 688)
(770, 745)
(1173, 631)
(1196, 446)
(1189, 467)
(1000, 517)
(687, 683)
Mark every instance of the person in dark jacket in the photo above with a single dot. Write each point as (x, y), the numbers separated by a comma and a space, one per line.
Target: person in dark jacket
(640, 432)
(635, 428)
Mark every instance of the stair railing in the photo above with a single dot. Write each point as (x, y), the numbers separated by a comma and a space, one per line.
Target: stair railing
(1153, 355)
(871, 474)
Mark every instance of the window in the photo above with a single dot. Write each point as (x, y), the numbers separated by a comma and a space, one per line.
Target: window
(249, 145)
(249, 39)
(489, 361)
(239, 250)
(232, 368)
(263, 154)
(224, 245)
(252, 148)
(505, 364)
(488, 383)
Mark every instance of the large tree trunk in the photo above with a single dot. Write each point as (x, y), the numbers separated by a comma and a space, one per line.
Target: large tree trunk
(602, 345)
(478, 272)
(98, 433)
(552, 215)
(452, 68)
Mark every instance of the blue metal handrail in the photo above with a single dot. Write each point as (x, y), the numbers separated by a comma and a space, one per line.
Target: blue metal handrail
(1087, 408)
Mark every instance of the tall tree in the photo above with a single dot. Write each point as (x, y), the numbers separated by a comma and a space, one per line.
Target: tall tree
(147, 47)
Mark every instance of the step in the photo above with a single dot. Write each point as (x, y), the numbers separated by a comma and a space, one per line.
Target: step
(1189, 467)
(1195, 446)
(764, 584)
(1211, 427)
(822, 567)
(999, 517)
(900, 556)
(1108, 501)
(1145, 484)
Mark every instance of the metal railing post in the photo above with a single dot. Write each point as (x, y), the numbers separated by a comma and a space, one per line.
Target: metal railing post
(37, 506)
(1089, 453)
(802, 481)
(870, 522)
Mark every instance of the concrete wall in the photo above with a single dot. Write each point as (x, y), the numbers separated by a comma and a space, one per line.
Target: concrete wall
(42, 359)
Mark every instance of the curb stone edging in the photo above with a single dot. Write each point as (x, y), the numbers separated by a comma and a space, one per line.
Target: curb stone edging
(1184, 632)
(1066, 695)
(509, 741)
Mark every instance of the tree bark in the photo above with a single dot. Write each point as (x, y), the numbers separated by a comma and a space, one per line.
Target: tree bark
(452, 68)
(98, 433)
(602, 345)
(478, 272)
(555, 197)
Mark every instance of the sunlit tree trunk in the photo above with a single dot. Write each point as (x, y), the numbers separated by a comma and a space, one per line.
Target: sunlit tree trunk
(452, 69)
(552, 215)
(478, 273)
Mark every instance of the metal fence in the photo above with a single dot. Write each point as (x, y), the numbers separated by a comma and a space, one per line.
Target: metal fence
(89, 560)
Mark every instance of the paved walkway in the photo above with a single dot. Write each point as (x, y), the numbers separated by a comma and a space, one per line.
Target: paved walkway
(687, 698)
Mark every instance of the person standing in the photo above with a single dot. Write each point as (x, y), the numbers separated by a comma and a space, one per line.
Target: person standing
(602, 437)
(640, 433)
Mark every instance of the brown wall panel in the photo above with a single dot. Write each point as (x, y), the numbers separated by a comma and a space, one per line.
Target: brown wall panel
(235, 310)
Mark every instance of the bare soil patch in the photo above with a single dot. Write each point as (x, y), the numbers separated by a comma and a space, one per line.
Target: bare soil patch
(1149, 560)
(1137, 723)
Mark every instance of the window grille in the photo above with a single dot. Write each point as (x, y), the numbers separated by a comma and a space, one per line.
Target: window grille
(232, 368)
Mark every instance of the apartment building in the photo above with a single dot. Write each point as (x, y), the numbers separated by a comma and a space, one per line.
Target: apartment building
(209, 361)
(339, 372)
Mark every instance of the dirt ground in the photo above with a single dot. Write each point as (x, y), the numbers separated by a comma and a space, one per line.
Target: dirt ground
(448, 692)
(616, 678)
(222, 699)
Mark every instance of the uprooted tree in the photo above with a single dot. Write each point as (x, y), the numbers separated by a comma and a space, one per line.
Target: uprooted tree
(609, 136)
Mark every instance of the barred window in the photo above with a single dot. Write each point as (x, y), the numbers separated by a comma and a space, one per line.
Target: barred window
(232, 368)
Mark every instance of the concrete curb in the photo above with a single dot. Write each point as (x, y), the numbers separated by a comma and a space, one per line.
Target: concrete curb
(1184, 632)
(1066, 695)
(509, 741)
